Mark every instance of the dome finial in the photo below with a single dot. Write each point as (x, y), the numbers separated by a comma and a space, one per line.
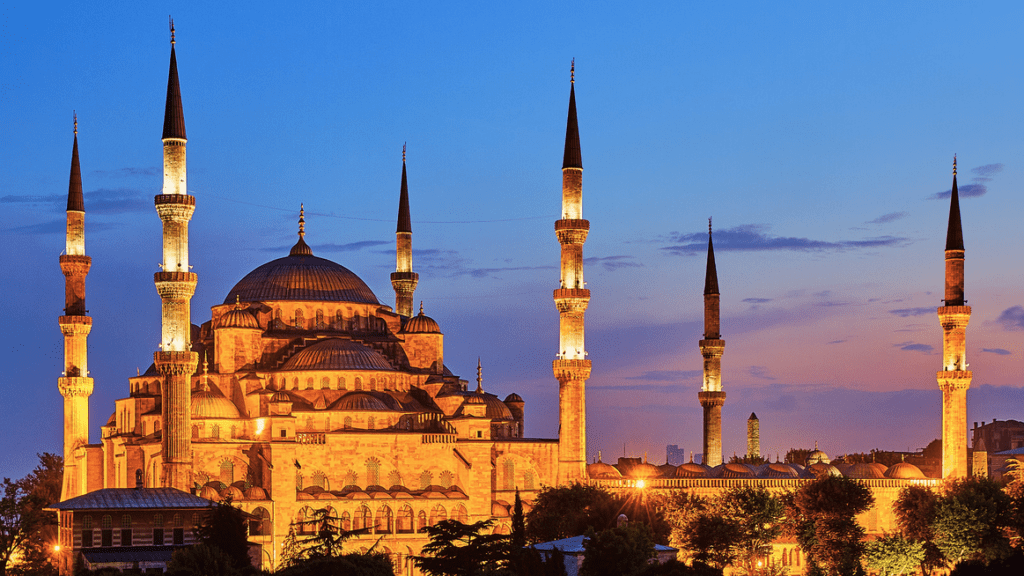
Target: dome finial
(421, 307)
(302, 221)
(238, 302)
(479, 377)
(572, 72)
(204, 380)
(954, 164)
(599, 456)
(171, 21)
(74, 115)
(403, 151)
(815, 444)
(709, 225)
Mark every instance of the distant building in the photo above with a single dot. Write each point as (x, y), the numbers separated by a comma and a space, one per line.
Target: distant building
(574, 552)
(675, 455)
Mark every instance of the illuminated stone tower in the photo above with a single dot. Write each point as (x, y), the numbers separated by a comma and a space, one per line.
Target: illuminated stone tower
(175, 284)
(954, 378)
(403, 278)
(572, 369)
(75, 385)
(711, 347)
(753, 436)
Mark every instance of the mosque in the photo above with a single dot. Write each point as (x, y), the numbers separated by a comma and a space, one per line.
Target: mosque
(304, 391)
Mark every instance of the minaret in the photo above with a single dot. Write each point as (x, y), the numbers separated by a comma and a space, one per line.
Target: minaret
(954, 378)
(711, 395)
(75, 385)
(572, 369)
(175, 284)
(753, 436)
(403, 278)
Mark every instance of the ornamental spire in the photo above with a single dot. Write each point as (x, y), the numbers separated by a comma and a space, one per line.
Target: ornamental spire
(572, 157)
(479, 377)
(711, 275)
(174, 115)
(301, 248)
(75, 200)
(954, 233)
(404, 220)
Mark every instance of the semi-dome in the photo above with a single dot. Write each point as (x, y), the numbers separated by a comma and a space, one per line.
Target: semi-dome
(207, 404)
(337, 354)
(691, 470)
(602, 471)
(777, 470)
(733, 470)
(301, 276)
(904, 471)
(820, 469)
(644, 470)
(863, 471)
(360, 401)
(513, 397)
(496, 409)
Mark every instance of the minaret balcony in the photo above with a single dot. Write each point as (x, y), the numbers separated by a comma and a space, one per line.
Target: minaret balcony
(75, 386)
(75, 324)
(953, 380)
(572, 231)
(184, 199)
(711, 399)
(571, 370)
(405, 277)
(74, 265)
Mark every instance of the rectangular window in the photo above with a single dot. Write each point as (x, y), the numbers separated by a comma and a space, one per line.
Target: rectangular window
(87, 538)
(179, 536)
(158, 536)
(126, 537)
(106, 537)
(284, 433)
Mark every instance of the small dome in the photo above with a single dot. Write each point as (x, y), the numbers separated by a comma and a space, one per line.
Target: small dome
(337, 354)
(904, 471)
(513, 397)
(644, 470)
(817, 456)
(821, 469)
(880, 467)
(209, 492)
(499, 510)
(863, 471)
(281, 396)
(207, 404)
(602, 471)
(233, 494)
(255, 493)
(421, 324)
(733, 470)
(360, 401)
(778, 470)
(691, 470)
(238, 319)
(475, 399)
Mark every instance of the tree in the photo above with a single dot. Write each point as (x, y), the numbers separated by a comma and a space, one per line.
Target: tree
(710, 538)
(822, 517)
(915, 511)
(325, 542)
(757, 514)
(569, 511)
(457, 549)
(25, 527)
(200, 560)
(624, 550)
(676, 568)
(370, 564)
(224, 529)
(970, 518)
(893, 554)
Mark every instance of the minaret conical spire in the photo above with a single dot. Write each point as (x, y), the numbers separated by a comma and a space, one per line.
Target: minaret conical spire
(479, 377)
(404, 220)
(403, 279)
(572, 157)
(75, 200)
(954, 231)
(711, 275)
(174, 115)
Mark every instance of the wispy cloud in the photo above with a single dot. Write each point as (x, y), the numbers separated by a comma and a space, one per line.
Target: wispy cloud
(57, 227)
(908, 312)
(99, 201)
(667, 375)
(886, 218)
(755, 238)
(999, 351)
(760, 372)
(915, 347)
(613, 263)
(1012, 318)
(351, 246)
(756, 300)
(836, 342)
(977, 187)
(126, 172)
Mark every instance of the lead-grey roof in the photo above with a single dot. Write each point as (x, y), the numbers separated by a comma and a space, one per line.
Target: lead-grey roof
(133, 498)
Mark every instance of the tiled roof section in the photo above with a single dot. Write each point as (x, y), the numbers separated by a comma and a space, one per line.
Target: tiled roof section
(174, 116)
(404, 220)
(301, 277)
(133, 498)
(573, 158)
(954, 233)
(337, 354)
(711, 278)
(75, 201)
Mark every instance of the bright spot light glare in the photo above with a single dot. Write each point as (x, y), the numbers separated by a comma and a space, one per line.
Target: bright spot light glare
(261, 424)
(641, 484)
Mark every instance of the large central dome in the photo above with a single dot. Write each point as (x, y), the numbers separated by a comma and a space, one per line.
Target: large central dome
(302, 276)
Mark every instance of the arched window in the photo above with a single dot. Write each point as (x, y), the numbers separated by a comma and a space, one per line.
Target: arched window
(385, 520)
(348, 422)
(346, 521)
(277, 322)
(369, 423)
(528, 480)
(459, 514)
(215, 432)
(363, 519)
(421, 521)
(339, 320)
(320, 479)
(295, 383)
(325, 383)
(341, 383)
(509, 476)
(259, 523)
(126, 530)
(438, 514)
(227, 472)
(300, 323)
(319, 319)
(305, 522)
(394, 478)
(373, 383)
(372, 472)
(195, 431)
(404, 524)
(351, 479)
(177, 521)
(234, 430)
(447, 479)
(425, 479)
(309, 383)
(359, 383)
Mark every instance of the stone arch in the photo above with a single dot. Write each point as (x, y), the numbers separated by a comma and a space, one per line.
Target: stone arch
(438, 514)
(404, 520)
(459, 514)
(363, 518)
(260, 523)
(421, 521)
(385, 520)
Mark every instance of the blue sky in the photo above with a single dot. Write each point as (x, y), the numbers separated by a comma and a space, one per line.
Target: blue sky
(820, 137)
